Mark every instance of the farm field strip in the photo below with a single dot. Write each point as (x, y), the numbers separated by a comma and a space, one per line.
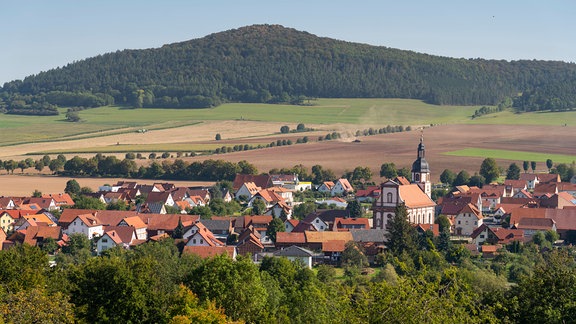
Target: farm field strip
(136, 148)
(512, 155)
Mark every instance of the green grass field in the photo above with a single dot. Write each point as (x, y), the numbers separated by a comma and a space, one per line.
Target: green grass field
(364, 112)
(513, 155)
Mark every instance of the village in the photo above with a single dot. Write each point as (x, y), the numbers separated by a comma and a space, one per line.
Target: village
(483, 220)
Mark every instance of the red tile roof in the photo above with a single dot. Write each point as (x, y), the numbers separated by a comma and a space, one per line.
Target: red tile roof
(292, 237)
(210, 251)
(334, 246)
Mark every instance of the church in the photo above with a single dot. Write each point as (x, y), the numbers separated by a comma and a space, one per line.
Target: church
(416, 195)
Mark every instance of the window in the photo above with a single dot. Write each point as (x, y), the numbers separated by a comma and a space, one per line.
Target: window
(459, 222)
(389, 197)
(194, 241)
(317, 221)
(104, 240)
(481, 235)
(416, 177)
(201, 241)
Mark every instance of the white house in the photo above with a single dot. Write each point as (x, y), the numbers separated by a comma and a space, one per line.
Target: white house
(468, 220)
(247, 190)
(86, 224)
(139, 226)
(341, 188)
(116, 236)
(295, 253)
(202, 237)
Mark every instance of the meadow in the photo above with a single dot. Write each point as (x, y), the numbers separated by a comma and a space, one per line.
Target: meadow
(106, 121)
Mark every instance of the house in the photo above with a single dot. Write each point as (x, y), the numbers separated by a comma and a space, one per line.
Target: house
(33, 220)
(523, 194)
(496, 235)
(61, 199)
(282, 180)
(138, 225)
(44, 203)
(203, 193)
(37, 235)
(246, 191)
(221, 228)
(532, 179)
(326, 187)
(9, 217)
(515, 186)
(533, 225)
(296, 254)
(268, 196)
(333, 250)
(467, 220)
(279, 209)
(260, 225)
(249, 242)
(203, 237)
(166, 223)
(347, 224)
(315, 239)
(423, 228)
(7, 203)
(211, 251)
(334, 201)
(123, 236)
(489, 250)
(86, 224)
(559, 200)
(322, 219)
(290, 224)
(262, 181)
(284, 239)
(164, 198)
(341, 187)
(369, 194)
(284, 193)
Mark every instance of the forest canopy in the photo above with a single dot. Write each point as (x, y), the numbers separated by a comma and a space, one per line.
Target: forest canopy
(274, 64)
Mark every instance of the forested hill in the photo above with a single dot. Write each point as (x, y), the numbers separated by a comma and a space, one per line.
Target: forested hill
(271, 63)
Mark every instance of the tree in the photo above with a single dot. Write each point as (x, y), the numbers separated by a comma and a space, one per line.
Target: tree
(303, 209)
(443, 223)
(404, 172)
(447, 177)
(39, 165)
(55, 165)
(533, 166)
(388, 170)
(284, 129)
(300, 127)
(37, 193)
(355, 209)
(275, 226)
(72, 116)
(218, 137)
(462, 178)
(72, 187)
(179, 230)
(525, 166)
(401, 235)
(549, 164)
(258, 207)
(489, 170)
(353, 256)
(85, 202)
(513, 172)
(22, 165)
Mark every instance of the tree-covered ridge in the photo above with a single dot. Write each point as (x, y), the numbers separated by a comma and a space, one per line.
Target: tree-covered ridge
(271, 63)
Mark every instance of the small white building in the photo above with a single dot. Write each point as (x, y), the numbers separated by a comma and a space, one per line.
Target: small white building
(86, 224)
(469, 219)
(295, 253)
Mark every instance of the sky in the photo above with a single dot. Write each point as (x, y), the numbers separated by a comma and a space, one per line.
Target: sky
(39, 35)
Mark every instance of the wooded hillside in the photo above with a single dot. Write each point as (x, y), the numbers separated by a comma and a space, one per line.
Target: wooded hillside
(271, 63)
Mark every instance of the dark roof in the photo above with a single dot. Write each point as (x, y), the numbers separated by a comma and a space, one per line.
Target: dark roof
(262, 181)
(216, 225)
(327, 215)
(421, 165)
(294, 251)
(369, 235)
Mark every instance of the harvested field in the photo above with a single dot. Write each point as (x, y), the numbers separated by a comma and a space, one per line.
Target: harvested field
(340, 156)
(24, 185)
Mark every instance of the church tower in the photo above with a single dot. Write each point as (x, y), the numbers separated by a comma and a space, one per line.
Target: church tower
(421, 170)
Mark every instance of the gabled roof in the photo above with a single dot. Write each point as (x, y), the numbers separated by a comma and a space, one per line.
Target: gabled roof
(370, 191)
(434, 228)
(471, 209)
(346, 223)
(294, 222)
(515, 184)
(327, 215)
(167, 222)
(401, 180)
(210, 251)
(61, 199)
(262, 181)
(158, 197)
(207, 235)
(216, 225)
(328, 184)
(134, 221)
(41, 201)
(257, 221)
(369, 235)
(542, 224)
(5, 202)
(334, 246)
(124, 233)
(319, 237)
(290, 238)
(89, 220)
(269, 196)
(69, 214)
(179, 193)
(294, 251)
(35, 233)
(40, 218)
(345, 184)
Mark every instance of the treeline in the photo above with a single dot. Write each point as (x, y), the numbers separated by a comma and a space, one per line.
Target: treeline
(420, 278)
(274, 64)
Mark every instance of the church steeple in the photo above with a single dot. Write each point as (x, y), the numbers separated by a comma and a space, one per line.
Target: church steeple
(421, 169)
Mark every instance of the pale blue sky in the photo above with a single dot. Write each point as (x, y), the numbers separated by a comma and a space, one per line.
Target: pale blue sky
(38, 35)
